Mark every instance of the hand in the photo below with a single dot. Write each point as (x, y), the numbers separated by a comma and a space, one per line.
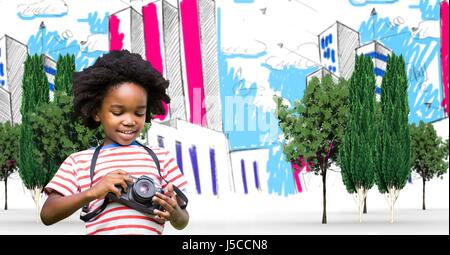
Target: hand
(108, 184)
(168, 201)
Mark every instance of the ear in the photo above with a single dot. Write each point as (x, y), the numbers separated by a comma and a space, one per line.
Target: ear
(96, 116)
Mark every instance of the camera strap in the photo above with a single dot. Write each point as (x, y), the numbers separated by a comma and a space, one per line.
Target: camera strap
(87, 216)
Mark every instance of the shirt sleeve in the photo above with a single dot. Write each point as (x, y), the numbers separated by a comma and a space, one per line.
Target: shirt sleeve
(65, 180)
(172, 173)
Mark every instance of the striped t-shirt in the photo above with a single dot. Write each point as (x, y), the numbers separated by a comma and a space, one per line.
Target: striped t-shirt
(73, 177)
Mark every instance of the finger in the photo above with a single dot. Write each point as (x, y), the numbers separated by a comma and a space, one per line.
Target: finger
(166, 199)
(119, 171)
(159, 219)
(170, 189)
(162, 214)
(123, 184)
(166, 205)
(115, 190)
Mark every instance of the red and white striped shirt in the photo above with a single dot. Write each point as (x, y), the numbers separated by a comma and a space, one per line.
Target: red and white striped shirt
(73, 177)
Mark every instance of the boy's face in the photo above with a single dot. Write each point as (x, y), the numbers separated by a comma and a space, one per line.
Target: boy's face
(122, 113)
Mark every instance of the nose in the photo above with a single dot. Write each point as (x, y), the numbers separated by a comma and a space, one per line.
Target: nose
(129, 121)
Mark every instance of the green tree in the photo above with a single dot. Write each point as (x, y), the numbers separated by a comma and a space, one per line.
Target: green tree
(428, 154)
(9, 153)
(314, 127)
(57, 134)
(393, 164)
(64, 73)
(35, 92)
(357, 153)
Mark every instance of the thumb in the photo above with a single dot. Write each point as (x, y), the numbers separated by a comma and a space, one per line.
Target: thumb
(170, 189)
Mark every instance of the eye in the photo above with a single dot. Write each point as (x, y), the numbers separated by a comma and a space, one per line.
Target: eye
(116, 113)
(140, 114)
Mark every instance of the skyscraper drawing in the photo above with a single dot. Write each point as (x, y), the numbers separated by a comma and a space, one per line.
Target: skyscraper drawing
(12, 56)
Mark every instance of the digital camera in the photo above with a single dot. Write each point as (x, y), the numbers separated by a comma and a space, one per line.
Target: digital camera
(139, 195)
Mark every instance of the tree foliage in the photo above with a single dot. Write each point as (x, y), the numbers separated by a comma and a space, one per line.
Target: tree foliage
(357, 157)
(394, 166)
(428, 153)
(35, 92)
(57, 134)
(313, 129)
(64, 74)
(9, 153)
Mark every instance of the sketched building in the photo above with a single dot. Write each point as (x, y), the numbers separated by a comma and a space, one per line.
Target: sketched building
(162, 49)
(209, 166)
(12, 56)
(126, 31)
(337, 46)
(208, 32)
(199, 50)
(319, 74)
(50, 70)
(379, 54)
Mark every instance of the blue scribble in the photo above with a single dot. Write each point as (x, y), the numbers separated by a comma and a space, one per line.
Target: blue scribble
(2, 82)
(246, 56)
(366, 2)
(41, 16)
(97, 25)
(50, 70)
(377, 55)
(244, 1)
(50, 43)
(418, 55)
(290, 82)
(429, 12)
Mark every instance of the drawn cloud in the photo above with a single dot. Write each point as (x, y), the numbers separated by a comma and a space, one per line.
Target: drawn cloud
(42, 9)
(304, 56)
(95, 42)
(427, 29)
(366, 2)
(252, 47)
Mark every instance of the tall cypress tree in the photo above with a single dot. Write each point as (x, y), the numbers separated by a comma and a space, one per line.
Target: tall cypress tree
(35, 93)
(64, 73)
(393, 143)
(357, 157)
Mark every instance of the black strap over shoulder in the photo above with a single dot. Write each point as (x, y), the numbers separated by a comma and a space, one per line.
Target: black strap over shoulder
(87, 216)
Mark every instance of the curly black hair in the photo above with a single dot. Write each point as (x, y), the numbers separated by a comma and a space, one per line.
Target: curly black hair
(116, 67)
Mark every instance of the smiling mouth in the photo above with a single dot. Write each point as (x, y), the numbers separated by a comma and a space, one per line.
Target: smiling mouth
(127, 132)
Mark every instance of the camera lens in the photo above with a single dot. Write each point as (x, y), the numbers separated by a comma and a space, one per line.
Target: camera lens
(143, 190)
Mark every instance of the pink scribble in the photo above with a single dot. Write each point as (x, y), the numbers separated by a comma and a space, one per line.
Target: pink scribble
(193, 60)
(444, 55)
(153, 44)
(297, 170)
(304, 166)
(115, 37)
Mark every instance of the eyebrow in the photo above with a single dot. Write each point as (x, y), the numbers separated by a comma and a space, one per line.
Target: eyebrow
(121, 106)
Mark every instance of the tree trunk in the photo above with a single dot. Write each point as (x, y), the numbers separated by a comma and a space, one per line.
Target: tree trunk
(6, 192)
(36, 193)
(365, 205)
(324, 182)
(392, 197)
(360, 197)
(423, 194)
